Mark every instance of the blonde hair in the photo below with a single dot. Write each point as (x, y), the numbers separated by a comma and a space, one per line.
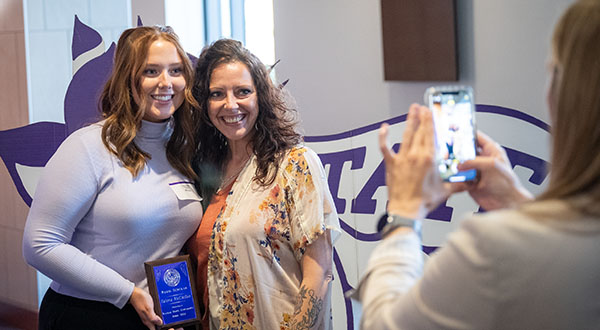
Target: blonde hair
(123, 116)
(575, 108)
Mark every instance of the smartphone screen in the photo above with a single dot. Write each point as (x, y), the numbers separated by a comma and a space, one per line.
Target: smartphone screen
(453, 115)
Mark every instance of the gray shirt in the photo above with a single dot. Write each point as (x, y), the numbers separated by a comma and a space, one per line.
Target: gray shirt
(500, 270)
(92, 225)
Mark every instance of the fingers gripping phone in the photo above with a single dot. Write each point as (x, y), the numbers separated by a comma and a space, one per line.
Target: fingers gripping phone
(453, 112)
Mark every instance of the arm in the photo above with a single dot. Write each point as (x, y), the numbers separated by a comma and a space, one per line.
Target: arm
(455, 289)
(64, 195)
(314, 229)
(394, 267)
(316, 280)
(393, 292)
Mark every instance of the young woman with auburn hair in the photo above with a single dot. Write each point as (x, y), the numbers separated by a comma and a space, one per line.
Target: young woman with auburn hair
(123, 107)
(111, 197)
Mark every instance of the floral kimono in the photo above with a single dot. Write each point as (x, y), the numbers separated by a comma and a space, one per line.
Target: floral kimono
(258, 240)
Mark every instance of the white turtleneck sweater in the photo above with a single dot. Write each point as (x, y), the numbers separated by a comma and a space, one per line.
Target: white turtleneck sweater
(92, 225)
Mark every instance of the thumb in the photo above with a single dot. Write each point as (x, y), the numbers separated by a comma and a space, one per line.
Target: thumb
(152, 320)
(479, 163)
(156, 319)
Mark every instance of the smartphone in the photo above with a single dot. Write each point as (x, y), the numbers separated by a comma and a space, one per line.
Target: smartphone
(453, 112)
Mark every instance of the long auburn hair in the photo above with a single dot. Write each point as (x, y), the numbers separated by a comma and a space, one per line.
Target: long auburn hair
(275, 129)
(123, 116)
(575, 108)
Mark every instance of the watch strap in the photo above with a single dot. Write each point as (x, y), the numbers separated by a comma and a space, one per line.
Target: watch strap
(388, 222)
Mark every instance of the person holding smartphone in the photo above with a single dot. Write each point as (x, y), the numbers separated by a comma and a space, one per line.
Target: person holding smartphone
(529, 263)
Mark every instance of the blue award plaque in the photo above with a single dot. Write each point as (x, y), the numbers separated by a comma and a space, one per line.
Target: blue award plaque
(172, 287)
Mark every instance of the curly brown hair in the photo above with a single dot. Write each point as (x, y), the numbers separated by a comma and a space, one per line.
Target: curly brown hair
(274, 131)
(123, 116)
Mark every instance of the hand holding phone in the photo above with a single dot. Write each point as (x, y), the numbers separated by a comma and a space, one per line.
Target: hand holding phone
(497, 186)
(453, 111)
(414, 186)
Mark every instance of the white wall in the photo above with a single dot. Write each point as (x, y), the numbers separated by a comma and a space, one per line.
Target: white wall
(150, 11)
(49, 32)
(511, 45)
(332, 52)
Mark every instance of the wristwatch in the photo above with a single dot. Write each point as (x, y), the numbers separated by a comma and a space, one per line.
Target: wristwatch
(388, 222)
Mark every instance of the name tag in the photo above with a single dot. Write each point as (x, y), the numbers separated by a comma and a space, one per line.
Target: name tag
(185, 191)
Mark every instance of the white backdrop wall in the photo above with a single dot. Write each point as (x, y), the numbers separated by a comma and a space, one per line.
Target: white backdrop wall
(49, 32)
(332, 53)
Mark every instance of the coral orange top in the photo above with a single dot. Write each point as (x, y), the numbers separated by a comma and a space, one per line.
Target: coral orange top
(198, 245)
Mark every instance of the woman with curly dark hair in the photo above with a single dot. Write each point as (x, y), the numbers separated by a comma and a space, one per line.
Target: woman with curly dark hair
(264, 246)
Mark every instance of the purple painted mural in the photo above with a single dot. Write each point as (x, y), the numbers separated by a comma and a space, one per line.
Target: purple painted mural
(34, 144)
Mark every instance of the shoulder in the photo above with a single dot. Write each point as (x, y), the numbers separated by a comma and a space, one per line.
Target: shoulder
(512, 230)
(524, 218)
(84, 143)
(88, 136)
(493, 219)
(496, 224)
(302, 161)
(296, 153)
(302, 156)
(482, 240)
(81, 155)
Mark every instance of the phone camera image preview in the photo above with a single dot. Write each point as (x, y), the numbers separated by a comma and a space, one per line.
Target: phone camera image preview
(455, 138)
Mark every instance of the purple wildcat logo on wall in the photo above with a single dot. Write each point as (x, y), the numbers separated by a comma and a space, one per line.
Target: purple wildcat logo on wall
(28, 148)
(352, 160)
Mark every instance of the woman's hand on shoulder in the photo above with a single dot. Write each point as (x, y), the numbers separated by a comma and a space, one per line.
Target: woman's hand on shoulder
(144, 306)
(497, 185)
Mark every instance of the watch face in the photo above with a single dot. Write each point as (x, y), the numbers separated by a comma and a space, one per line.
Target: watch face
(382, 222)
(387, 223)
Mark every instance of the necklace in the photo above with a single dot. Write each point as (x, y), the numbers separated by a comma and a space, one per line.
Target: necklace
(228, 179)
